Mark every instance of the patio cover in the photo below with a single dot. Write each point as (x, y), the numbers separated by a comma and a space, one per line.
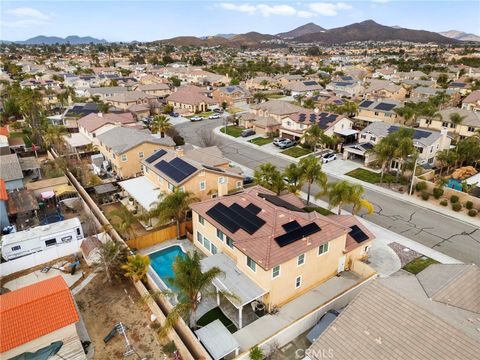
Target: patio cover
(346, 132)
(22, 201)
(75, 140)
(233, 280)
(142, 190)
(29, 163)
(217, 339)
(65, 189)
(104, 189)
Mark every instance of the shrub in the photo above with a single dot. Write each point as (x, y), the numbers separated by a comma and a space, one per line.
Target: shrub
(256, 353)
(454, 199)
(425, 195)
(444, 202)
(472, 212)
(421, 186)
(456, 206)
(437, 193)
(469, 205)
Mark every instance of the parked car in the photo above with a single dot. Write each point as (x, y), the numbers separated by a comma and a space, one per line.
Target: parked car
(218, 110)
(214, 116)
(248, 132)
(196, 118)
(148, 120)
(247, 180)
(287, 144)
(322, 325)
(278, 141)
(326, 158)
(174, 114)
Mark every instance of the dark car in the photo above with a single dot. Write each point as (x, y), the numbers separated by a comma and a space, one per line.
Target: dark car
(218, 111)
(247, 180)
(322, 325)
(174, 114)
(248, 132)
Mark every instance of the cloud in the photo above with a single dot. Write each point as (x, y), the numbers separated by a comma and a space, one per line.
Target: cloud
(328, 9)
(305, 14)
(26, 17)
(380, 1)
(267, 10)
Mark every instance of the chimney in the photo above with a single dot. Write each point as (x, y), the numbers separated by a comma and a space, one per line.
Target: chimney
(179, 151)
(316, 110)
(100, 115)
(222, 187)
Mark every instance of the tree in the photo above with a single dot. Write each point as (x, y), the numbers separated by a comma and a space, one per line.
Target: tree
(313, 136)
(161, 124)
(446, 158)
(52, 136)
(168, 109)
(293, 174)
(404, 147)
(173, 207)
(383, 152)
(268, 176)
(191, 284)
(256, 353)
(111, 255)
(311, 170)
(259, 97)
(408, 114)
(343, 192)
(224, 105)
(456, 120)
(136, 267)
(125, 221)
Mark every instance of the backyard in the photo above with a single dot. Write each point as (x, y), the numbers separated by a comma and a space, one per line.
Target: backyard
(232, 130)
(296, 151)
(260, 141)
(215, 314)
(102, 306)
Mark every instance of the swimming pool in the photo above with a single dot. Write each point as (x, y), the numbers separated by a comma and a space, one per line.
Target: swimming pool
(162, 261)
(454, 184)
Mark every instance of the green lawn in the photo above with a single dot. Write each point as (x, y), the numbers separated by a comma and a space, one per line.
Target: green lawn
(233, 130)
(275, 96)
(215, 314)
(26, 139)
(260, 141)
(234, 110)
(370, 176)
(296, 151)
(419, 264)
(204, 114)
(318, 209)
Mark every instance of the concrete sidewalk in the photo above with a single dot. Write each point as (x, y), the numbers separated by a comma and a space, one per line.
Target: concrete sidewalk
(348, 165)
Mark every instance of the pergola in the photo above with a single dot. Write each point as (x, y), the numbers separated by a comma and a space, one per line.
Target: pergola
(218, 340)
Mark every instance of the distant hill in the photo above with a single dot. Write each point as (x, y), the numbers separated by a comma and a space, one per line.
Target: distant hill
(306, 29)
(226, 36)
(460, 35)
(195, 41)
(369, 30)
(72, 39)
(250, 39)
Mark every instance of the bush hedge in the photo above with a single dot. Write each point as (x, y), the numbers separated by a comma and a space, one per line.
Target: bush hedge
(469, 205)
(421, 186)
(444, 202)
(437, 193)
(454, 199)
(425, 195)
(456, 206)
(472, 212)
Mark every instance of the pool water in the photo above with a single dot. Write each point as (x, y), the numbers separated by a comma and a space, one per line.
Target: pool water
(162, 262)
(454, 184)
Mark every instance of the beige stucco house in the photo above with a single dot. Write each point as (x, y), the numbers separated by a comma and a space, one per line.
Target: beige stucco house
(469, 125)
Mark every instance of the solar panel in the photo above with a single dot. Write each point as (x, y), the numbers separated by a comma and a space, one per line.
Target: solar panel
(219, 214)
(420, 134)
(170, 171)
(290, 226)
(297, 234)
(245, 219)
(254, 209)
(275, 200)
(156, 155)
(213, 168)
(236, 217)
(309, 83)
(366, 103)
(357, 234)
(384, 106)
(183, 166)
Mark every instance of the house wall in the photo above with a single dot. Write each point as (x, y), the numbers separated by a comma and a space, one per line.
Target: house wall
(378, 116)
(201, 107)
(288, 124)
(315, 270)
(461, 130)
(14, 184)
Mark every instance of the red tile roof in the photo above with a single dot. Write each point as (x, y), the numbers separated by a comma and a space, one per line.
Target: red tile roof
(4, 131)
(34, 311)
(348, 221)
(3, 191)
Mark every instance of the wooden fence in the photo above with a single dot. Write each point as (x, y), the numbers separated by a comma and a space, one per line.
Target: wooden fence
(159, 236)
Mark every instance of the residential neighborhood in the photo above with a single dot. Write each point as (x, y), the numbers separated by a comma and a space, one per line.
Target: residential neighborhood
(238, 182)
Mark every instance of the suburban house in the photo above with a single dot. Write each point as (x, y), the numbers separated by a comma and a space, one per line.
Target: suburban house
(428, 143)
(125, 100)
(231, 94)
(306, 87)
(40, 318)
(270, 249)
(384, 73)
(203, 171)
(460, 86)
(261, 83)
(424, 92)
(350, 88)
(96, 124)
(125, 147)
(159, 90)
(190, 99)
(472, 101)
(277, 109)
(382, 89)
(76, 111)
(262, 125)
(469, 125)
(370, 111)
(11, 171)
(294, 126)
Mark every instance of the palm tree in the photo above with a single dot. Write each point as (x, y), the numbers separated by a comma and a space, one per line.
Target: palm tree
(456, 119)
(383, 151)
(311, 170)
(125, 221)
(313, 136)
(53, 135)
(136, 267)
(191, 284)
(173, 207)
(404, 149)
(103, 107)
(111, 255)
(343, 192)
(446, 158)
(408, 114)
(268, 176)
(259, 97)
(293, 174)
(160, 124)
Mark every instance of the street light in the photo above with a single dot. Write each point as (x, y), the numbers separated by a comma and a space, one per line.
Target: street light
(413, 175)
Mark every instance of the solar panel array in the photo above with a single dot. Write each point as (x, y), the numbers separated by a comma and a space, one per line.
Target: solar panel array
(384, 106)
(323, 119)
(156, 155)
(213, 168)
(297, 234)
(177, 169)
(290, 226)
(365, 103)
(236, 217)
(418, 134)
(277, 201)
(310, 83)
(357, 234)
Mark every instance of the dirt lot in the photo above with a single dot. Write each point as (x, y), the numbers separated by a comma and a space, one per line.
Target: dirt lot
(102, 306)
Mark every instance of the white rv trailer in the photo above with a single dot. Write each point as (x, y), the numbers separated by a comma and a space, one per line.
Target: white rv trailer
(40, 238)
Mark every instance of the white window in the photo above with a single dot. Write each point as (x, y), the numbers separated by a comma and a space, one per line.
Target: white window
(206, 243)
(239, 185)
(181, 189)
(171, 187)
(276, 272)
(322, 249)
(221, 180)
(124, 157)
(213, 249)
(140, 155)
(298, 282)
(141, 167)
(301, 259)
(160, 179)
(199, 238)
(251, 264)
(147, 170)
(202, 185)
(229, 242)
(201, 220)
(220, 234)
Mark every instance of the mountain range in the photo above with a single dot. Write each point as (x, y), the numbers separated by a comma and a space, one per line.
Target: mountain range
(50, 40)
(460, 35)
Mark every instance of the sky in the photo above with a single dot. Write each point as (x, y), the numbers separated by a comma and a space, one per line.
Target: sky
(128, 20)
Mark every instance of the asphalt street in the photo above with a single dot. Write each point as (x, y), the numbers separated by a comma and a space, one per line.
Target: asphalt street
(430, 228)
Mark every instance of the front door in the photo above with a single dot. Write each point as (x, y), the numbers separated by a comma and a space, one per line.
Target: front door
(341, 264)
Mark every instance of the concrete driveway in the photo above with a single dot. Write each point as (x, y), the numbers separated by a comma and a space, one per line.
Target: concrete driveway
(383, 259)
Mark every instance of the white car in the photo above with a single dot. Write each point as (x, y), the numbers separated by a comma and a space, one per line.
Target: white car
(196, 118)
(214, 116)
(328, 157)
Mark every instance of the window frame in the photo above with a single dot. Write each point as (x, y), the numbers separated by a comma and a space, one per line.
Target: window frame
(299, 277)
(322, 247)
(303, 257)
(251, 261)
(273, 271)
